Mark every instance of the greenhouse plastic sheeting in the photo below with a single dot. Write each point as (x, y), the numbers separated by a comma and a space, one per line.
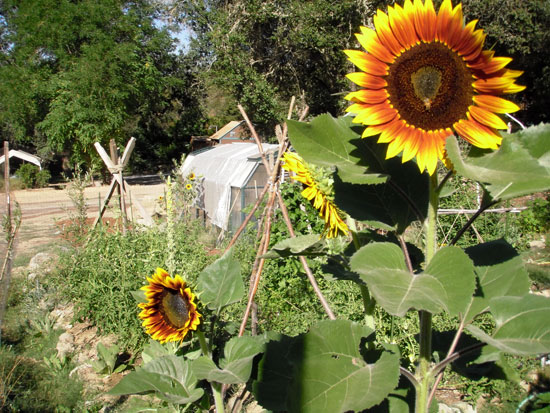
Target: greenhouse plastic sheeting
(223, 167)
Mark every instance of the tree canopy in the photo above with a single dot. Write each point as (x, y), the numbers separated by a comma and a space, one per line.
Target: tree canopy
(76, 72)
(73, 72)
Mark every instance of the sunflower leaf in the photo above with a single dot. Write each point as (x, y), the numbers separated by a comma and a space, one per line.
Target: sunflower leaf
(169, 377)
(310, 245)
(220, 283)
(500, 272)
(520, 167)
(327, 142)
(237, 364)
(521, 325)
(308, 373)
(392, 205)
(447, 283)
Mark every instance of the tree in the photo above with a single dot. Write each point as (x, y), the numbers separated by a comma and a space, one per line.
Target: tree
(77, 72)
(262, 53)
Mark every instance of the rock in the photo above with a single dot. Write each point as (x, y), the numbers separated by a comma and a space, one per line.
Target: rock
(537, 244)
(459, 407)
(41, 261)
(63, 317)
(65, 345)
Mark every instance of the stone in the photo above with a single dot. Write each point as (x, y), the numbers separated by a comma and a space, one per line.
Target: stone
(65, 345)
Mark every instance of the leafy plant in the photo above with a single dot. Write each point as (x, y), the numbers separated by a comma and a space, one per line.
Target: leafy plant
(107, 358)
(32, 176)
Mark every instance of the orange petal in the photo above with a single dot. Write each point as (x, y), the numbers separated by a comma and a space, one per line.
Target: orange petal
(402, 24)
(477, 134)
(493, 85)
(514, 88)
(370, 42)
(375, 114)
(391, 130)
(443, 20)
(385, 34)
(496, 64)
(495, 104)
(368, 81)
(367, 63)
(454, 30)
(396, 146)
(485, 117)
(425, 20)
(368, 96)
(413, 143)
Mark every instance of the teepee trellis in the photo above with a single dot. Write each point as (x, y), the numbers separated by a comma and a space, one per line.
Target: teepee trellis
(272, 190)
(116, 165)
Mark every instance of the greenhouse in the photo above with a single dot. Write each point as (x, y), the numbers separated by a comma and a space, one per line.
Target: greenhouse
(232, 176)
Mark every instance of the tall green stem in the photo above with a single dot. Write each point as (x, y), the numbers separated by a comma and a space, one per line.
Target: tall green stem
(368, 302)
(430, 231)
(216, 387)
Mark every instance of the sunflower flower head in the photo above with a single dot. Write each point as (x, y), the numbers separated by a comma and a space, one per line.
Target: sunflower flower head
(170, 311)
(191, 176)
(425, 76)
(317, 183)
(188, 187)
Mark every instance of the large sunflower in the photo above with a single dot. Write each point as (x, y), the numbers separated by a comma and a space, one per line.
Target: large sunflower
(426, 76)
(318, 191)
(170, 311)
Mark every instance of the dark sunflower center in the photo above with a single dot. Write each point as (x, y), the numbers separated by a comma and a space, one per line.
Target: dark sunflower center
(174, 308)
(430, 86)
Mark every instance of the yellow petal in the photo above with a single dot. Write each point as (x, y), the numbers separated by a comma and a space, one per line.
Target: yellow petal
(370, 42)
(367, 81)
(367, 63)
(485, 117)
(495, 104)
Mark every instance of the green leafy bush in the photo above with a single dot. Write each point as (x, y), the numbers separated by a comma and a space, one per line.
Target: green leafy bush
(100, 278)
(32, 176)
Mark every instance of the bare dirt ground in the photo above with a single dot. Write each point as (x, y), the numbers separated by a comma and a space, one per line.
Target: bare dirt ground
(43, 209)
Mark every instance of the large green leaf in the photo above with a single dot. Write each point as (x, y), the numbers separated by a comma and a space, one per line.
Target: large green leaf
(327, 142)
(521, 166)
(237, 364)
(500, 272)
(325, 371)
(522, 325)
(310, 245)
(392, 205)
(169, 377)
(448, 282)
(221, 283)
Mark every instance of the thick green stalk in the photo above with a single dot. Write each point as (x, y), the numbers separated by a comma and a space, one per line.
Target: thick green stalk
(368, 302)
(430, 230)
(216, 387)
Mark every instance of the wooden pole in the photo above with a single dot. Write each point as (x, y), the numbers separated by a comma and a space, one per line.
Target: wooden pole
(120, 190)
(7, 179)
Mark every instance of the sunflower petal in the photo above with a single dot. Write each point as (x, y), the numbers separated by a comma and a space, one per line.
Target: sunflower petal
(367, 63)
(385, 34)
(477, 134)
(443, 20)
(495, 104)
(368, 96)
(366, 80)
(485, 117)
(402, 25)
(375, 114)
(425, 20)
(493, 85)
(496, 64)
(370, 42)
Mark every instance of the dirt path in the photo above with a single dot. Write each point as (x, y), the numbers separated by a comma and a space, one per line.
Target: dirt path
(41, 208)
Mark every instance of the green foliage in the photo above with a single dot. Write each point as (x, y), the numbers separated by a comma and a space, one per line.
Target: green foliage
(266, 52)
(77, 73)
(32, 176)
(536, 219)
(106, 362)
(99, 279)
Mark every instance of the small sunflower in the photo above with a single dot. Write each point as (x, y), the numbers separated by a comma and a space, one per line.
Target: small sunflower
(188, 187)
(170, 311)
(191, 176)
(426, 76)
(319, 197)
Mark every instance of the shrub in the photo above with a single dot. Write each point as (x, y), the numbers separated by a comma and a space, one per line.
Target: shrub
(32, 176)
